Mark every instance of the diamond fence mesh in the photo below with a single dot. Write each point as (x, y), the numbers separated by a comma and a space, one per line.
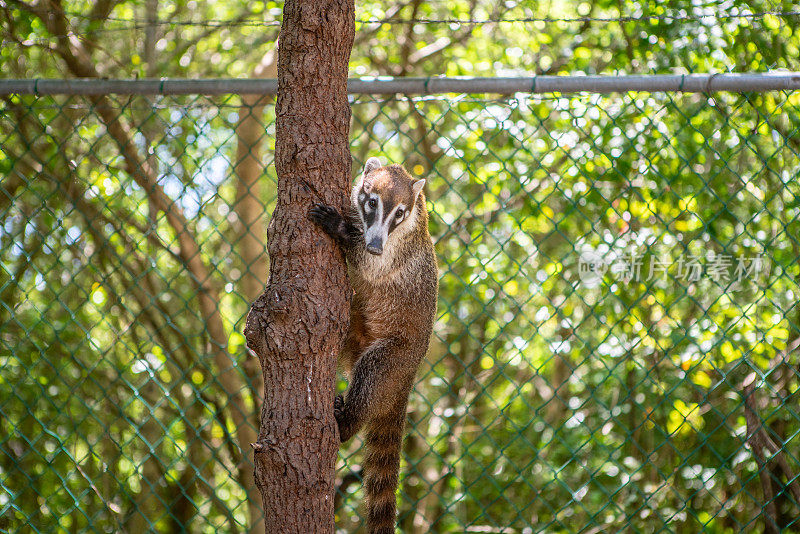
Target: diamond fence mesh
(616, 346)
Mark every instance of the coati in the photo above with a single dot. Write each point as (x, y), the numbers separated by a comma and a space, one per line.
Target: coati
(393, 274)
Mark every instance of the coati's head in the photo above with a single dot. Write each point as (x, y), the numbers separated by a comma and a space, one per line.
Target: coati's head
(386, 199)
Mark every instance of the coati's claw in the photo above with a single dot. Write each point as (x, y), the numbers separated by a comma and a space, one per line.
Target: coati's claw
(338, 414)
(338, 407)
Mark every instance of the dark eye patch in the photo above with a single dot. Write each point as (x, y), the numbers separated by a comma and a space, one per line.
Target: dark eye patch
(388, 207)
(397, 220)
(369, 215)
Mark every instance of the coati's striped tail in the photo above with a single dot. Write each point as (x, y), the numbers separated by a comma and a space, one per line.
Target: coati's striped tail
(382, 443)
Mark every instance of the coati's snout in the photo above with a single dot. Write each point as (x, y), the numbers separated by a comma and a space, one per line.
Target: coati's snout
(375, 246)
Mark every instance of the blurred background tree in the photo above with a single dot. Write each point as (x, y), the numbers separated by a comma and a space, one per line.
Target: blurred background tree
(132, 243)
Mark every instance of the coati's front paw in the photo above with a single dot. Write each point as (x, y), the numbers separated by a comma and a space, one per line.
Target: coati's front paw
(326, 217)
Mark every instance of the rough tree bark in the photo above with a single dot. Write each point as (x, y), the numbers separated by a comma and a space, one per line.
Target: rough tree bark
(297, 326)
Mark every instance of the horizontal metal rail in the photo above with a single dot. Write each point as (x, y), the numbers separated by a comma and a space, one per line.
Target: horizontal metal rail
(689, 83)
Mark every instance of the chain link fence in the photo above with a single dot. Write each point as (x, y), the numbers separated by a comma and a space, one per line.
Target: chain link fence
(616, 346)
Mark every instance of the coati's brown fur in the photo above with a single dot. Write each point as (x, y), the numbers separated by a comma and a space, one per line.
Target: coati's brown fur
(394, 279)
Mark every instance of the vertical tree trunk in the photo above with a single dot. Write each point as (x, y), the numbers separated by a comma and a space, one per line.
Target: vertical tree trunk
(297, 326)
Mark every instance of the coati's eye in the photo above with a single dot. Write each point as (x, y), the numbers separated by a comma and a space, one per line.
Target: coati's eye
(399, 214)
(372, 203)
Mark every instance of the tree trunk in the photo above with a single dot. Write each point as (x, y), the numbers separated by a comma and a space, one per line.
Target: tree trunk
(297, 326)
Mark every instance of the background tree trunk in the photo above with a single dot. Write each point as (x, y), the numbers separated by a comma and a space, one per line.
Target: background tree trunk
(250, 226)
(297, 326)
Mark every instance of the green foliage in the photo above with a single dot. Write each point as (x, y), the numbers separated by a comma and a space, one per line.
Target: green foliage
(550, 402)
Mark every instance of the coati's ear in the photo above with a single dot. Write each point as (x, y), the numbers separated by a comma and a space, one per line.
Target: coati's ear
(417, 187)
(372, 164)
